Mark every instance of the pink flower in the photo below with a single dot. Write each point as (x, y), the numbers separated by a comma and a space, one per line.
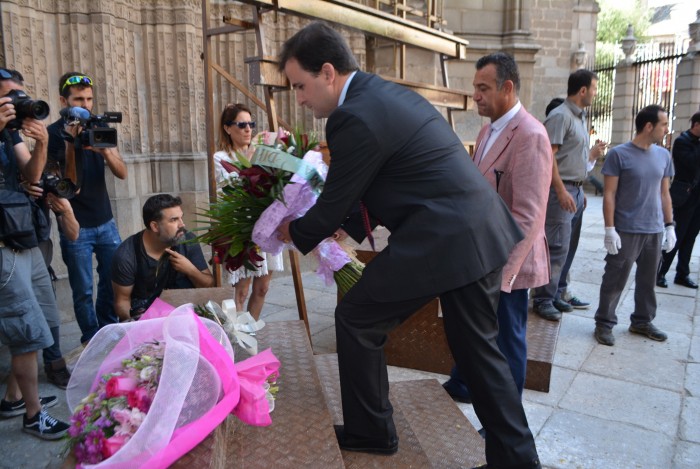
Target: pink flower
(140, 399)
(120, 386)
(113, 444)
(268, 138)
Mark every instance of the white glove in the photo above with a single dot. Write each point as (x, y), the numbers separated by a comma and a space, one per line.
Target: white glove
(669, 239)
(612, 240)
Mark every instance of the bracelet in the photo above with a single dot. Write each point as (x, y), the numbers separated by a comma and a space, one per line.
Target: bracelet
(672, 223)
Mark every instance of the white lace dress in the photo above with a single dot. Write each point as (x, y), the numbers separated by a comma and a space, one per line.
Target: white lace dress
(270, 263)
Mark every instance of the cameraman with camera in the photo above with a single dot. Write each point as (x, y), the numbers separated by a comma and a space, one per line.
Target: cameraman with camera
(82, 160)
(27, 303)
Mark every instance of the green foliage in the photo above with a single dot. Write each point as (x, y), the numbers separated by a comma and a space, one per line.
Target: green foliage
(615, 16)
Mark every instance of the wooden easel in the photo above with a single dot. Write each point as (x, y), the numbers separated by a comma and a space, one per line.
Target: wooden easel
(371, 21)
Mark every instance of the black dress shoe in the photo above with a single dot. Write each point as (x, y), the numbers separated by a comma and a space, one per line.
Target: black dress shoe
(456, 396)
(686, 282)
(661, 282)
(365, 445)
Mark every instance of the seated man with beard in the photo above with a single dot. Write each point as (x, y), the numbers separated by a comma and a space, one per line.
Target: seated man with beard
(155, 259)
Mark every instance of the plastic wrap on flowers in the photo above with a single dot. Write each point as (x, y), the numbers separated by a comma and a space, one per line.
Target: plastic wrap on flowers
(198, 387)
(298, 197)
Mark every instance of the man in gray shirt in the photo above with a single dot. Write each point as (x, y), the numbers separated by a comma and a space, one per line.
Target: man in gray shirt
(568, 134)
(638, 213)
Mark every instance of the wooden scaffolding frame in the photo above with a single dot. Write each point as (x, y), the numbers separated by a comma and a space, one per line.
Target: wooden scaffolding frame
(371, 21)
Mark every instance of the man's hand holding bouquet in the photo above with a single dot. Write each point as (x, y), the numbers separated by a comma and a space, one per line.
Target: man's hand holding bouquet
(276, 181)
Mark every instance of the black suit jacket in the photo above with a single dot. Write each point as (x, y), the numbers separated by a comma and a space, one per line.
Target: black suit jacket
(394, 151)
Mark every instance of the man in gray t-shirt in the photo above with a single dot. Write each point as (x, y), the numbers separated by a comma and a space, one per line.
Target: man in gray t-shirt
(568, 134)
(637, 211)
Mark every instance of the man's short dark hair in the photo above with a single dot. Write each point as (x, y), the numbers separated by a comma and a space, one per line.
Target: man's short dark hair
(579, 79)
(12, 75)
(695, 119)
(506, 68)
(649, 114)
(315, 45)
(553, 104)
(154, 206)
(64, 89)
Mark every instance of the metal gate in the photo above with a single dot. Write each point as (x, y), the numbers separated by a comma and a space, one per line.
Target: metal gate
(601, 112)
(655, 78)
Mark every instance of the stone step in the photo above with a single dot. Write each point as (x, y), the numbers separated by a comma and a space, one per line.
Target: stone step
(420, 343)
(433, 432)
(301, 434)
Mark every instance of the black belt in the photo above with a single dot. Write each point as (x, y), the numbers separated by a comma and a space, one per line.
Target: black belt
(574, 183)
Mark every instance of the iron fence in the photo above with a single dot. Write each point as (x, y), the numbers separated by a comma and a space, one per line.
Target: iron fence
(655, 78)
(655, 66)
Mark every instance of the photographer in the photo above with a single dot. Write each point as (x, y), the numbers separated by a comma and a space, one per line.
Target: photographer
(27, 304)
(98, 231)
(157, 258)
(54, 364)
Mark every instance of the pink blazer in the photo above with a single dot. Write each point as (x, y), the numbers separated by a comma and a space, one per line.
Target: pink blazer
(523, 157)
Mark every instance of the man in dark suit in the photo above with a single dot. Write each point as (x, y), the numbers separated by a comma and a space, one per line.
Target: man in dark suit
(395, 155)
(685, 190)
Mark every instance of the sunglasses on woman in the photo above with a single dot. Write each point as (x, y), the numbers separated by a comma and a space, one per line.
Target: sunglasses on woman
(241, 125)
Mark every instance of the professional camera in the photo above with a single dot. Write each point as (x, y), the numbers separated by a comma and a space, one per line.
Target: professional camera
(95, 131)
(62, 187)
(26, 107)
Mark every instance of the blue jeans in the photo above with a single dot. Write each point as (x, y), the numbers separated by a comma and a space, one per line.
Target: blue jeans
(103, 241)
(512, 339)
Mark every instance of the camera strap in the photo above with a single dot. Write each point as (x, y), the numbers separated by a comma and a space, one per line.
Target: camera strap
(78, 156)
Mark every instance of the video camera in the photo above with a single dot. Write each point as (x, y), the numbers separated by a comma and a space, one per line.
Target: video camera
(26, 107)
(95, 131)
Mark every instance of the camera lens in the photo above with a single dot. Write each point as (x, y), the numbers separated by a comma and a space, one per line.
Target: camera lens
(65, 188)
(39, 110)
(35, 109)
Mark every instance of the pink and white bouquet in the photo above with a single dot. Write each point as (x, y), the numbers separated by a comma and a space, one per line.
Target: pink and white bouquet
(107, 418)
(145, 393)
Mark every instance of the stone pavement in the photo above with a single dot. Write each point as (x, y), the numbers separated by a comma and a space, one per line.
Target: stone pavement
(634, 405)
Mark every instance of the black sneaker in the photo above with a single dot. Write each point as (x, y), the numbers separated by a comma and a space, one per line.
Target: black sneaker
(43, 426)
(604, 336)
(562, 306)
(13, 409)
(649, 330)
(58, 378)
(547, 311)
(577, 303)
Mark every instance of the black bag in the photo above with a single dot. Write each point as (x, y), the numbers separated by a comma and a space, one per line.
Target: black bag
(680, 193)
(17, 228)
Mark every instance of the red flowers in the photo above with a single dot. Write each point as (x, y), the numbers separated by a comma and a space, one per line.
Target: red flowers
(120, 386)
(257, 180)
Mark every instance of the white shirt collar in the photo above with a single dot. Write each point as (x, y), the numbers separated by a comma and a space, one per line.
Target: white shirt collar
(345, 89)
(502, 121)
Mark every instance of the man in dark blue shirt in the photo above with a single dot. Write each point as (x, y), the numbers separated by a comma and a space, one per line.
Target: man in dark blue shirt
(98, 231)
(27, 306)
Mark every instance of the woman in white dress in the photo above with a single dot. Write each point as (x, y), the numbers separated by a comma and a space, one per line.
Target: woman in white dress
(235, 133)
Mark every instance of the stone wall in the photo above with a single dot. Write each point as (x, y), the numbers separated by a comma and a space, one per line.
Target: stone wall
(146, 58)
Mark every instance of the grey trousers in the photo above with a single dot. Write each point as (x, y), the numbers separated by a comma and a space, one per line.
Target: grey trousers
(559, 227)
(645, 251)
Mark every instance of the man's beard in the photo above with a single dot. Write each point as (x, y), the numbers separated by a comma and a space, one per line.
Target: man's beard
(177, 239)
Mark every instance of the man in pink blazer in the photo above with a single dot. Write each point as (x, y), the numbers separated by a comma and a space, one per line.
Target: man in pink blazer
(515, 156)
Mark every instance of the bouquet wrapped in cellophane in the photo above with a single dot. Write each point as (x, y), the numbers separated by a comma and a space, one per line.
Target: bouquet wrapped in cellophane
(145, 393)
(277, 180)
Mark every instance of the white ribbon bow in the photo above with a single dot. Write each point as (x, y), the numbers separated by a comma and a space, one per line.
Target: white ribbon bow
(240, 327)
